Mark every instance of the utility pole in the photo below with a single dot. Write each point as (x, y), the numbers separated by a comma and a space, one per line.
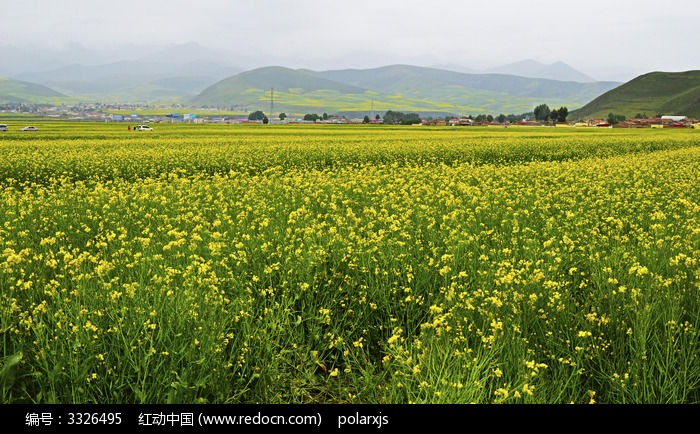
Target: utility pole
(272, 101)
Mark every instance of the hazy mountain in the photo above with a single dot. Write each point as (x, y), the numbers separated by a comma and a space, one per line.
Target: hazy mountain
(190, 73)
(174, 72)
(17, 61)
(126, 79)
(559, 71)
(422, 81)
(256, 87)
(187, 53)
(457, 68)
(396, 87)
(666, 93)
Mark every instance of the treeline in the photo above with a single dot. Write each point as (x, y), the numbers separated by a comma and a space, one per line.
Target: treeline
(541, 113)
(399, 118)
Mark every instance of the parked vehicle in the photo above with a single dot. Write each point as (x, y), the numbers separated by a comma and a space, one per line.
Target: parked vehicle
(143, 128)
(29, 128)
(3, 127)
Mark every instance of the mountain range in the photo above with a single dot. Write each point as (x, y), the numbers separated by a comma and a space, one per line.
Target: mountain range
(132, 80)
(358, 91)
(192, 75)
(558, 71)
(195, 76)
(171, 74)
(395, 87)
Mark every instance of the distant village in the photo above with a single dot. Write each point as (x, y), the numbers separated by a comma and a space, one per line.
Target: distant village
(106, 113)
(652, 122)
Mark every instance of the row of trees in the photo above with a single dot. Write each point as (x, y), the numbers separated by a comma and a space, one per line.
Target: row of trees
(544, 113)
(399, 118)
(541, 113)
(261, 116)
(390, 117)
(313, 117)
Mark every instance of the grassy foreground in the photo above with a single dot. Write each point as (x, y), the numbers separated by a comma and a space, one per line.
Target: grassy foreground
(349, 264)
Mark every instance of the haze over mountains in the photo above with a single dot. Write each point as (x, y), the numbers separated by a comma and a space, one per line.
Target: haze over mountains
(559, 71)
(138, 75)
(194, 75)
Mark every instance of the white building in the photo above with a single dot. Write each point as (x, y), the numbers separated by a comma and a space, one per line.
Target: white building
(674, 118)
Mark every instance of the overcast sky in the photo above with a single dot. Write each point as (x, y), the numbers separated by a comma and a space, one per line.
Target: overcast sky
(604, 39)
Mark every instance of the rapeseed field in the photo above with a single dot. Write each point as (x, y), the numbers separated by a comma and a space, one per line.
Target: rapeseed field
(349, 264)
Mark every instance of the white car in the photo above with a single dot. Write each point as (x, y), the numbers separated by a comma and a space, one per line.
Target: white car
(29, 128)
(143, 128)
(3, 127)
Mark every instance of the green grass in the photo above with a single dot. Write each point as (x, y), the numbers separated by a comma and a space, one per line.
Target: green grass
(651, 94)
(15, 91)
(348, 264)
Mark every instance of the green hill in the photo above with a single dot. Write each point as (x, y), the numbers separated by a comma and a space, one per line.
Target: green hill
(285, 86)
(15, 91)
(664, 93)
(427, 81)
(397, 87)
